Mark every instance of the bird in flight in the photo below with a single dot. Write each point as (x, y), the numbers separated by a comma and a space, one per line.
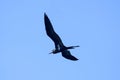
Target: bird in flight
(59, 46)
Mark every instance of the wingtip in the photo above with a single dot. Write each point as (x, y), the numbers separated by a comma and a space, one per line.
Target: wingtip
(77, 46)
(75, 59)
(45, 14)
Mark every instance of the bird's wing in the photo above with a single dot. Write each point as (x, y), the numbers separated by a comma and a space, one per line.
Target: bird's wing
(50, 31)
(66, 54)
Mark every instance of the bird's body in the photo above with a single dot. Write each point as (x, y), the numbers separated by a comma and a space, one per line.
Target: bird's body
(59, 46)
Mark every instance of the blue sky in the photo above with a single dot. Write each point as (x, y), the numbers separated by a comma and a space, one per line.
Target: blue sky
(92, 24)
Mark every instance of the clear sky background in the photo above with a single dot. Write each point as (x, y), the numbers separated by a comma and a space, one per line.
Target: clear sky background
(92, 24)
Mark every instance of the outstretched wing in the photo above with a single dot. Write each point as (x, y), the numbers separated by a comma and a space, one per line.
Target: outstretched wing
(50, 31)
(66, 54)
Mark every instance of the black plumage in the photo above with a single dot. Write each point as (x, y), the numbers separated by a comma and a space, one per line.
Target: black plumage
(59, 46)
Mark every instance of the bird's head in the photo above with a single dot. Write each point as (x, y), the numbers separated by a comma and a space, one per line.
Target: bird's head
(54, 51)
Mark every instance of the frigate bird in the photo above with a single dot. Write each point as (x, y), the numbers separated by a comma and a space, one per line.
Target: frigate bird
(59, 46)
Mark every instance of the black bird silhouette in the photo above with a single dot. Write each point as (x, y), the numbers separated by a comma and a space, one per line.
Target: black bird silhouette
(59, 46)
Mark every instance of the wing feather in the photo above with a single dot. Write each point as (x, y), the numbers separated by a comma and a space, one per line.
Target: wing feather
(66, 54)
(50, 31)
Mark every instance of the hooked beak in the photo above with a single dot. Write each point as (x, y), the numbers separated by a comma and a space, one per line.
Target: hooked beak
(52, 51)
